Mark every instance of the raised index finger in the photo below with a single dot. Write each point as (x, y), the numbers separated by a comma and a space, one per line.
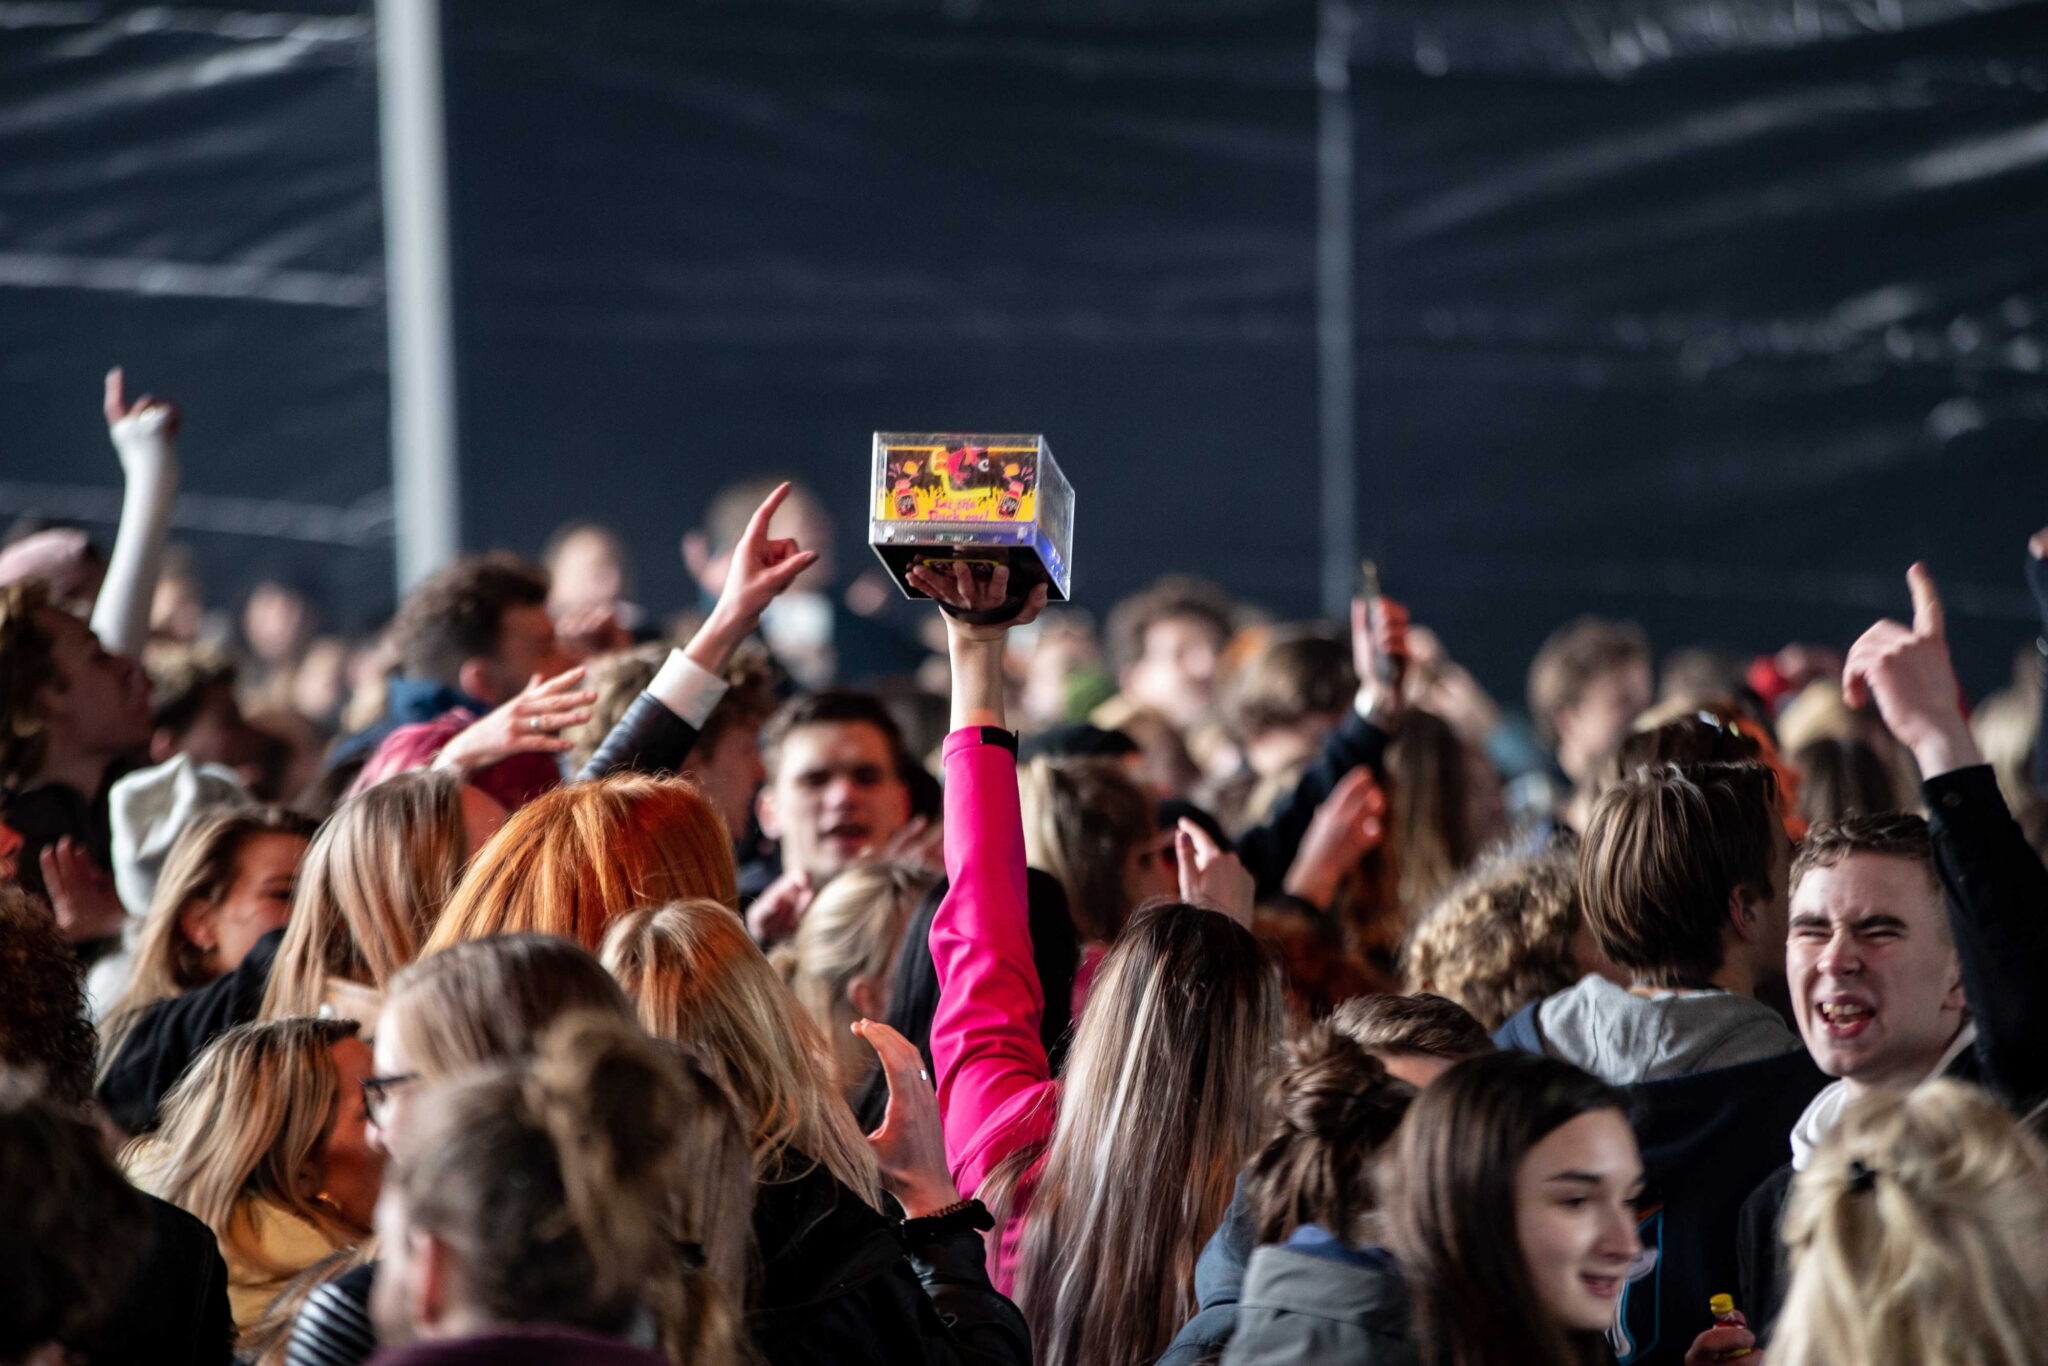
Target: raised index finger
(1928, 617)
(113, 404)
(757, 525)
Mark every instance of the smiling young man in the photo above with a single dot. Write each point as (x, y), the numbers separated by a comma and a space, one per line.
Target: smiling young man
(1918, 948)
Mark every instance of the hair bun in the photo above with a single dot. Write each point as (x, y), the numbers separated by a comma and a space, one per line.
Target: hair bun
(1330, 1085)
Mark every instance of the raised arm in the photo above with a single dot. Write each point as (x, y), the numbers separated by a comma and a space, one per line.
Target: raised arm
(658, 731)
(991, 1063)
(144, 434)
(1994, 885)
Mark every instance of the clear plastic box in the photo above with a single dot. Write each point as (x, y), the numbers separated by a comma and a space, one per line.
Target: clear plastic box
(986, 498)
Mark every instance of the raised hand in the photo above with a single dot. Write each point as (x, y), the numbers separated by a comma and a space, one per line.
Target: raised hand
(147, 414)
(1348, 825)
(1387, 639)
(979, 685)
(910, 1146)
(81, 894)
(531, 723)
(1210, 877)
(761, 569)
(919, 843)
(780, 908)
(1906, 671)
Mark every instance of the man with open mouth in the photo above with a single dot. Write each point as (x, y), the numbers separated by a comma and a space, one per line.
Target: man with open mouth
(1917, 948)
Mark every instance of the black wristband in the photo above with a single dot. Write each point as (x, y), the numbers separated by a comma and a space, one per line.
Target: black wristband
(993, 616)
(968, 1216)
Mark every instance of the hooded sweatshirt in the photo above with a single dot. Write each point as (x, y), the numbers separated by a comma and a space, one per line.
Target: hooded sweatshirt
(1313, 1301)
(1715, 1082)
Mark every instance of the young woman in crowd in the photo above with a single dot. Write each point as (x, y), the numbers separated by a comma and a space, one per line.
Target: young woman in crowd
(835, 1286)
(375, 882)
(263, 1141)
(1915, 1236)
(228, 880)
(487, 1004)
(573, 860)
(1510, 1216)
(1159, 1092)
(845, 949)
(531, 1211)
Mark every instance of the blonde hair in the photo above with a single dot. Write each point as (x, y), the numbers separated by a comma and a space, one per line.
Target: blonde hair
(572, 860)
(566, 1182)
(1159, 1112)
(698, 979)
(239, 1127)
(203, 865)
(1915, 1236)
(1501, 938)
(373, 881)
(852, 931)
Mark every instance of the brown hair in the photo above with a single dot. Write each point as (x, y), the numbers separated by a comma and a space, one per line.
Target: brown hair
(491, 999)
(239, 1128)
(1901, 834)
(1329, 1113)
(28, 664)
(1082, 818)
(698, 979)
(1159, 1096)
(832, 707)
(44, 1027)
(75, 1228)
(372, 885)
(1175, 595)
(573, 860)
(180, 677)
(566, 1183)
(1417, 1025)
(459, 613)
(202, 865)
(1450, 1209)
(1665, 851)
(1842, 777)
(1502, 937)
(620, 677)
(1293, 678)
(1571, 658)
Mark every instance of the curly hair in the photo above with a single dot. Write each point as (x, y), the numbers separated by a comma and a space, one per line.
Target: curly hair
(1501, 938)
(459, 613)
(44, 1027)
(74, 1226)
(27, 665)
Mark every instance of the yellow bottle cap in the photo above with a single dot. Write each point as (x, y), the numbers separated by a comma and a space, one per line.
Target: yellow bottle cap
(1721, 1304)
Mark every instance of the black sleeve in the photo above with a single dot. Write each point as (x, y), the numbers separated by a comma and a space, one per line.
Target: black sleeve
(1760, 1268)
(1268, 850)
(987, 1329)
(170, 1034)
(334, 1327)
(649, 738)
(1997, 895)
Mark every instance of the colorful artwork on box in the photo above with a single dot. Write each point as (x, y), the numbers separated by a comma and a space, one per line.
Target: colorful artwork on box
(960, 484)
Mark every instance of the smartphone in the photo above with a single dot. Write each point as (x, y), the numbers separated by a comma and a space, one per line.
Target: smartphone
(1389, 667)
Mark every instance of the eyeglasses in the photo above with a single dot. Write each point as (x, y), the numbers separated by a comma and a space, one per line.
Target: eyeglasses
(377, 1093)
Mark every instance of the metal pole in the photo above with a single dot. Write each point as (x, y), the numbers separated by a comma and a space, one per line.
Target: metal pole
(1336, 326)
(425, 479)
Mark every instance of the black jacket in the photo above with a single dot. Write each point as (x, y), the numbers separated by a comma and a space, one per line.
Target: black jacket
(170, 1034)
(1995, 890)
(1317, 1303)
(1707, 1140)
(175, 1309)
(838, 1287)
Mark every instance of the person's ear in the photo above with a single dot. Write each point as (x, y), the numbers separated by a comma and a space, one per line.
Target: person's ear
(1955, 999)
(163, 744)
(476, 677)
(433, 1274)
(868, 998)
(1745, 915)
(195, 922)
(765, 812)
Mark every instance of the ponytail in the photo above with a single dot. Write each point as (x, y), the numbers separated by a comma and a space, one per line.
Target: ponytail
(1330, 1112)
(606, 1178)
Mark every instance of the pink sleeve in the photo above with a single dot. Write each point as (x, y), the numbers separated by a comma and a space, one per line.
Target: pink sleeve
(995, 1086)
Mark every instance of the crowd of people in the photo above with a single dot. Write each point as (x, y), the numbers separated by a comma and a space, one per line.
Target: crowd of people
(816, 977)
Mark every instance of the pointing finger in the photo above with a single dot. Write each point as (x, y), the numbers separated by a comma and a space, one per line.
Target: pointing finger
(1928, 617)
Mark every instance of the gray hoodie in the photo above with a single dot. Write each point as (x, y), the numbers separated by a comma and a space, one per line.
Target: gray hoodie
(1623, 1038)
